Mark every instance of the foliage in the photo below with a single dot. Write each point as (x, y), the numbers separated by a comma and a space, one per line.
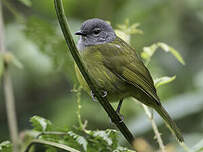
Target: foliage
(5, 146)
(40, 124)
(163, 80)
(50, 43)
(82, 140)
(150, 50)
(125, 30)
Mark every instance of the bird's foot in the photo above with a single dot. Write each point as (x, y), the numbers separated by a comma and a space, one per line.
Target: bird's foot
(93, 96)
(104, 94)
(121, 117)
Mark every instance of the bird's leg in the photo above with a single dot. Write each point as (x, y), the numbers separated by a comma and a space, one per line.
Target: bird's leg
(119, 108)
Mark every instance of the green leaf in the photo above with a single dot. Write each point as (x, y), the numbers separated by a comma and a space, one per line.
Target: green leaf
(125, 30)
(130, 29)
(1, 64)
(163, 80)
(52, 40)
(149, 51)
(40, 124)
(79, 139)
(102, 134)
(26, 2)
(6, 146)
(174, 52)
(49, 143)
(105, 139)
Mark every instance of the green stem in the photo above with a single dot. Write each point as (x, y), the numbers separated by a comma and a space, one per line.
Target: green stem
(53, 144)
(102, 100)
(155, 128)
(8, 91)
(78, 94)
(52, 133)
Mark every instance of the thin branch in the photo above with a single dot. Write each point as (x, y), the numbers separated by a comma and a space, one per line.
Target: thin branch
(155, 128)
(8, 91)
(52, 133)
(102, 100)
(78, 94)
(53, 144)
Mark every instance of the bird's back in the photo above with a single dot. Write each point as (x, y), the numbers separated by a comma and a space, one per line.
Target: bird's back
(108, 65)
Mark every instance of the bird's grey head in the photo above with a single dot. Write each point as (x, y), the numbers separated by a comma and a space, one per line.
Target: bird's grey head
(95, 31)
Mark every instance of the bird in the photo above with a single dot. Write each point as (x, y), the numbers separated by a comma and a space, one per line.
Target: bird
(116, 69)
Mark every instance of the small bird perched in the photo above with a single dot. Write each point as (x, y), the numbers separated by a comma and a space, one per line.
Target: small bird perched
(116, 69)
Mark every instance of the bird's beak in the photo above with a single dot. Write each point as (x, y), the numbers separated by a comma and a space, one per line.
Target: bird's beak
(80, 33)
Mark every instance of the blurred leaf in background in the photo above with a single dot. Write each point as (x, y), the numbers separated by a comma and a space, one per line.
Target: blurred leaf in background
(5, 146)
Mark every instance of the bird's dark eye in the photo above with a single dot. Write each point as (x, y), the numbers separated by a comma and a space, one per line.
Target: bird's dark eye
(96, 31)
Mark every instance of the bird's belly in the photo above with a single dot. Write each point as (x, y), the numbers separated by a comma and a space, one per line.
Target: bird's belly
(104, 80)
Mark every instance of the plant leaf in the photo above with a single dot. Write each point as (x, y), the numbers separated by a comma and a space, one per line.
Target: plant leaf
(49, 143)
(149, 51)
(40, 124)
(79, 139)
(174, 52)
(6, 146)
(125, 30)
(163, 80)
(129, 29)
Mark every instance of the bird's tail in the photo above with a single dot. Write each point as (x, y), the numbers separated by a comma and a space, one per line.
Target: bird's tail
(164, 114)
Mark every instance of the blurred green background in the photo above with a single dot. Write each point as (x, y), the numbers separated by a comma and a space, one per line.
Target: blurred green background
(43, 86)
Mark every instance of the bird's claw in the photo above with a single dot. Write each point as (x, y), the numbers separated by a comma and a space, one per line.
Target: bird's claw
(121, 117)
(93, 96)
(104, 94)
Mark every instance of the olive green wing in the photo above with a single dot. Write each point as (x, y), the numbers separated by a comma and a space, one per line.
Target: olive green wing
(122, 60)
